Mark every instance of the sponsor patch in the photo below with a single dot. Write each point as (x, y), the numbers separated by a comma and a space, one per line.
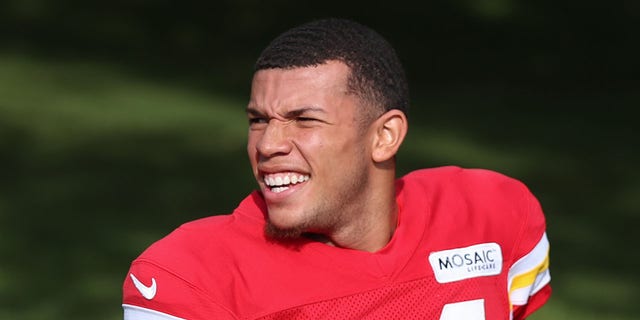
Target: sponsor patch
(463, 263)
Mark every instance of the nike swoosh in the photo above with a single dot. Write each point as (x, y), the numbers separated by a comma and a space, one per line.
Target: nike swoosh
(147, 292)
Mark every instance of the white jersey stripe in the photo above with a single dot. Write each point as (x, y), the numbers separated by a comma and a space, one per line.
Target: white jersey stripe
(529, 274)
(541, 280)
(529, 278)
(138, 313)
(521, 296)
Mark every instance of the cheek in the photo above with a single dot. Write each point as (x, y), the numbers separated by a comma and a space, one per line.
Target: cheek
(329, 149)
(251, 149)
(312, 143)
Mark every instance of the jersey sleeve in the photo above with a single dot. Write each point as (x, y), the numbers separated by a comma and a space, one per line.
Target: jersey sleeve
(529, 278)
(150, 292)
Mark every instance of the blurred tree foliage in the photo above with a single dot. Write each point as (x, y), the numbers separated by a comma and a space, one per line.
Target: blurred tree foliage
(567, 44)
(120, 120)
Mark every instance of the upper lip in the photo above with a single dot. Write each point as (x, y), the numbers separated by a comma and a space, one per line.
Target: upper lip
(264, 170)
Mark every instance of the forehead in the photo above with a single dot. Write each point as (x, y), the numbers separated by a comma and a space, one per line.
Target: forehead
(307, 85)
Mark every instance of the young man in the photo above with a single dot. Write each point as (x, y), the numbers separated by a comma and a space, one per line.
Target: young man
(331, 233)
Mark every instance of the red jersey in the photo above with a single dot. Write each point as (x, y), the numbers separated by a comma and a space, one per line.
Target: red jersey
(470, 244)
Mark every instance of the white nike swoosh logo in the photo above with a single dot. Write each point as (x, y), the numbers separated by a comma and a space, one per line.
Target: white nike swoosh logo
(147, 292)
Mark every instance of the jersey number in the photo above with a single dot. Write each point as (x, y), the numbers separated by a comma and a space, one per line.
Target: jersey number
(467, 310)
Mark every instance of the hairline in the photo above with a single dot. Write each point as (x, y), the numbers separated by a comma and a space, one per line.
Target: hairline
(366, 102)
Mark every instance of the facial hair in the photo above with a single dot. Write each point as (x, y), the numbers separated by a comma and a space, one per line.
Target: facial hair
(325, 219)
(275, 233)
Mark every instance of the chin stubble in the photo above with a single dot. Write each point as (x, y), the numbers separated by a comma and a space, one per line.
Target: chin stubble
(275, 233)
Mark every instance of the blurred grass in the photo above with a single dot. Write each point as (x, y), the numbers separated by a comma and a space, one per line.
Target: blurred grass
(99, 162)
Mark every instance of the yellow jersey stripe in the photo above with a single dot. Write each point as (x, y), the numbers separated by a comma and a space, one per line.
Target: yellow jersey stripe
(529, 278)
(530, 273)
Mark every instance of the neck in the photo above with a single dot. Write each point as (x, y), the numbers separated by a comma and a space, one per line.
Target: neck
(377, 237)
(372, 229)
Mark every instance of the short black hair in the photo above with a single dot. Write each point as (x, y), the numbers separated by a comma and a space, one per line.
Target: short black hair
(377, 76)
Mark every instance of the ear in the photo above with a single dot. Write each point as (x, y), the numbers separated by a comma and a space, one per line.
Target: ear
(390, 130)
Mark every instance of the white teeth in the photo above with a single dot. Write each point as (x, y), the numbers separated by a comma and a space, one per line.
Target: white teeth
(279, 189)
(284, 180)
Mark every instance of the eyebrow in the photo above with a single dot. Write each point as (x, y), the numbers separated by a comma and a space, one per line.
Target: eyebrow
(253, 111)
(290, 114)
(300, 111)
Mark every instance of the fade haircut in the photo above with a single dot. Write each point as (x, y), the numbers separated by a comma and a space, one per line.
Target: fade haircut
(376, 78)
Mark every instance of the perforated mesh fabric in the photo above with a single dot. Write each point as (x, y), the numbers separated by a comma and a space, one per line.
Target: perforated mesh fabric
(411, 300)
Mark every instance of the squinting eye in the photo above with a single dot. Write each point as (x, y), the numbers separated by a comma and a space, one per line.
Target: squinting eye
(306, 119)
(257, 120)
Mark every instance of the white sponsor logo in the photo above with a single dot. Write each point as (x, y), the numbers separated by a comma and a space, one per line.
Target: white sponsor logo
(463, 263)
(146, 291)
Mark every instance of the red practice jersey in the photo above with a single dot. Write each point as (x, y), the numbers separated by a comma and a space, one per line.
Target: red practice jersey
(470, 244)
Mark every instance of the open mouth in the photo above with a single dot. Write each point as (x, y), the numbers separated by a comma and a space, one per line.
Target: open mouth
(278, 182)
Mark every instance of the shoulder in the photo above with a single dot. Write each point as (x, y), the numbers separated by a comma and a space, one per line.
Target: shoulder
(196, 263)
(211, 238)
(182, 241)
(462, 177)
(195, 248)
(168, 280)
(476, 185)
(492, 205)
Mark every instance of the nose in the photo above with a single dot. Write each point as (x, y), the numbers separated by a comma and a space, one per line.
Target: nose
(274, 140)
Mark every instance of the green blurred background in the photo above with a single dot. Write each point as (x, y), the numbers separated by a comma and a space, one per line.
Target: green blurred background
(121, 120)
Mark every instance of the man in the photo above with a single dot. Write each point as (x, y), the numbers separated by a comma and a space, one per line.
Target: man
(331, 233)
